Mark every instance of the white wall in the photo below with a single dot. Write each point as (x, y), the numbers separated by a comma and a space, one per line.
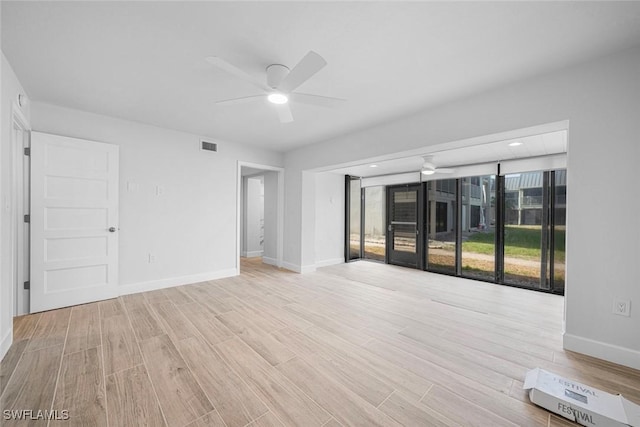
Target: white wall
(601, 101)
(270, 254)
(10, 88)
(191, 227)
(329, 232)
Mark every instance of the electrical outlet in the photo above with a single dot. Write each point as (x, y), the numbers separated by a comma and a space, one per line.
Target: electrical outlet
(152, 258)
(622, 307)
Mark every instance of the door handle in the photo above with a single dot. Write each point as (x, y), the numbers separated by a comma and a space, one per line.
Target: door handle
(112, 229)
(390, 228)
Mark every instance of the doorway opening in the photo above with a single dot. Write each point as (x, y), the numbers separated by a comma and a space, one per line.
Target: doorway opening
(20, 238)
(260, 214)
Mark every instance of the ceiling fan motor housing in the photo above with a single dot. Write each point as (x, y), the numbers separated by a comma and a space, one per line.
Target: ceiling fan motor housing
(275, 74)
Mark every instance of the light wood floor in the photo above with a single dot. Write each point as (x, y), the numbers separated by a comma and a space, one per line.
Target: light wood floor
(361, 344)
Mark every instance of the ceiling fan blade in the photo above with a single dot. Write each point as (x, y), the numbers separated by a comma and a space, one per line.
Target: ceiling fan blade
(284, 113)
(444, 170)
(242, 100)
(232, 69)
(303, 71)
(322, 101)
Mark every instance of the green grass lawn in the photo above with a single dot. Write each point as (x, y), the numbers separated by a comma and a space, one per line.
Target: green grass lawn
(520, 242)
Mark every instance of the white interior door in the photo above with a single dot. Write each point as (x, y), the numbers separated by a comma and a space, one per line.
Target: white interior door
(74, 221)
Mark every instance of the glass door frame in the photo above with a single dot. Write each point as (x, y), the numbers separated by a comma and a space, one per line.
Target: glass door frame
(547, 235)
(547, 282)
(547, 239)
(347, 219)
(419, 225)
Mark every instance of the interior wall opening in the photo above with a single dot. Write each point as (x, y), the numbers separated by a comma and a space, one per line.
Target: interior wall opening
(260, 214)
(502, 222)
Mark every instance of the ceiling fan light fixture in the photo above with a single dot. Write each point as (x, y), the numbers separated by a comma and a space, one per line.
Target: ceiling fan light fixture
(278, 98)
(428, 172)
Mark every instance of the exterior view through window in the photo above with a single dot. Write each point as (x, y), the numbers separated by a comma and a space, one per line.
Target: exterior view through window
(441, 225)
(507, 229)
(374, 222)
(479, 227)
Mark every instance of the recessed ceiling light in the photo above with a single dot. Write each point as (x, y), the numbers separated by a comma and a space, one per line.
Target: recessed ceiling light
(428, 172)
(373, 166)
(515, 143)
(278, 98)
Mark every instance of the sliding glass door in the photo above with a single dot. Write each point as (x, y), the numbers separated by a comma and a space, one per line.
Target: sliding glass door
(534, 206)
(374, 222)
(507, 229)
(478, 230)
(441, 225)
(353, 203)
(403, 208)
(524, 229)
(558, 185)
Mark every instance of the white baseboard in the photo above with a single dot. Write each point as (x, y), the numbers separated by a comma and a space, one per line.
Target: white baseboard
(253, 254)
(151, 285)
(612, 353)
(243, 254)
(328, 262)
(302, 269)
(6, 342)
(270, 261)
(308, 269)
(292, 267)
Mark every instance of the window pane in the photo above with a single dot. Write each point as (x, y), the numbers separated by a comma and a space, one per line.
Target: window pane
(478, 227)
(404, 220)
(441, 201)
(559, 220)
(374, 223)
(523, 228)
(354, 219)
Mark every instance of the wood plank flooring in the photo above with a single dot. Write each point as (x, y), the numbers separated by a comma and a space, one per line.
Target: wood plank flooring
(359, 344)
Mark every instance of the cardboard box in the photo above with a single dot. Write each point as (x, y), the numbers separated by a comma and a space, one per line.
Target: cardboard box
(581, 403)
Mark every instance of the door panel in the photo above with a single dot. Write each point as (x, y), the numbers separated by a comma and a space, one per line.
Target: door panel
(478, 229)
(74, 221)
(354, 216)
(442, 227)
(374, 223)
(403, 204)
(524, 230)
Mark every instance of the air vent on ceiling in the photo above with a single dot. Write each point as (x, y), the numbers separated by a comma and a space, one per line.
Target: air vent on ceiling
(208, 146)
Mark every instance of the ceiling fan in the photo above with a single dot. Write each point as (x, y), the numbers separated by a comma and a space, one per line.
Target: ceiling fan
(280, 84)
(429, 168)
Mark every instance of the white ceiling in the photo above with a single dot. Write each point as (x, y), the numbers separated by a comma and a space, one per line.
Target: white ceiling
(144, 61)
(530, 146)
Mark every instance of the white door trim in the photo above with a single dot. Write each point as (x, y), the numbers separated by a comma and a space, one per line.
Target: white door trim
(279, 210)
(19, 240)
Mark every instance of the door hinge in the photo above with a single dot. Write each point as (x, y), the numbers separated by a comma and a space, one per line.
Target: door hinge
(27, 285)
(27, 218)
(27, 151)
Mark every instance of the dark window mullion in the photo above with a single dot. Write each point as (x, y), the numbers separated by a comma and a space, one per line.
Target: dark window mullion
(361, 221)
(544, 238)
(500, 208)
(552, 228)
(458, 227)
(347, 217)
